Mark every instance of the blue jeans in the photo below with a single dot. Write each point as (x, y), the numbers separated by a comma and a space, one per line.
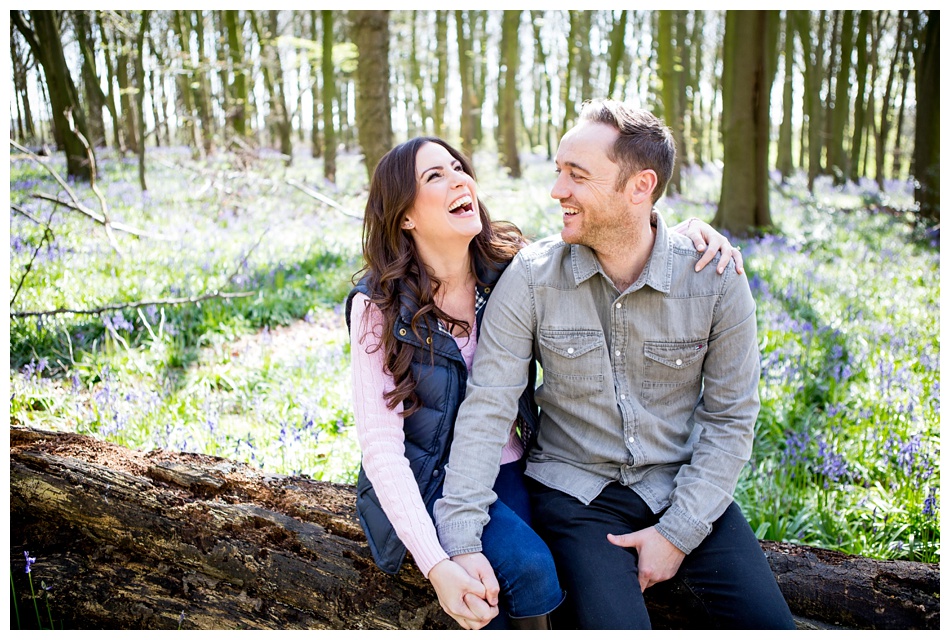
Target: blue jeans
(727, 581)
(522, 562)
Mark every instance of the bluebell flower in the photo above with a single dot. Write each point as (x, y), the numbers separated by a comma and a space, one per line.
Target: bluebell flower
(930, 503)
(29, 560)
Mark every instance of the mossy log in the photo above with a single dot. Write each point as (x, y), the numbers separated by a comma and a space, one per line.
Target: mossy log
(162, 540)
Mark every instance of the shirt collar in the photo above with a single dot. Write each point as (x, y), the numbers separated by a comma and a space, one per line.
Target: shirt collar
(658, 272)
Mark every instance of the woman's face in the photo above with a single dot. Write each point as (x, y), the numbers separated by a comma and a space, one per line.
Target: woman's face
(446, 206)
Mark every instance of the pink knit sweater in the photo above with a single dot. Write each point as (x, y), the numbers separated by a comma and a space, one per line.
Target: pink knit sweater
(382, 441)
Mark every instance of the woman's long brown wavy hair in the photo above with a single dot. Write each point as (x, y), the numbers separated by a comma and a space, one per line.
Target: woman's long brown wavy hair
(395, 272)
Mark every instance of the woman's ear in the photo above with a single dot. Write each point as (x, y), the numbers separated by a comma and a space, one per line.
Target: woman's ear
(408, 224)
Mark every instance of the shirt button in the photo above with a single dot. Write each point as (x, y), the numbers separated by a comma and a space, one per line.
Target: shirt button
(570, 350)
(435, 473)
(623, 397)
(678, 362)
(630, 439)
(617, 353)
(619, 305)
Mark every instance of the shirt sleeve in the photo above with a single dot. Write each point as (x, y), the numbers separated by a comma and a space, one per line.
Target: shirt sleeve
(382, 439)
(725, 415)
(499, 376)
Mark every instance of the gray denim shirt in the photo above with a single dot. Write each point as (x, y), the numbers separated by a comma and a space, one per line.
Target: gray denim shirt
(655, 388)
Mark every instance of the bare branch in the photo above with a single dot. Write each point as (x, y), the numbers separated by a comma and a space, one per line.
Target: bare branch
(324, 199)
(134, 305)
(26, 214)
(86, 211)
(47, 235)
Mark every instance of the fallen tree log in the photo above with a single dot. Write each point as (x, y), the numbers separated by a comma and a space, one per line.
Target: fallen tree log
(162, 540)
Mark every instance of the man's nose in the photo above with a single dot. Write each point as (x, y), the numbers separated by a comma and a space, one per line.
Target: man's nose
(559, 190)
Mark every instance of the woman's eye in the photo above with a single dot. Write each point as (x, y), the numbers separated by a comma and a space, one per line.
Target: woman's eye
(433, 176)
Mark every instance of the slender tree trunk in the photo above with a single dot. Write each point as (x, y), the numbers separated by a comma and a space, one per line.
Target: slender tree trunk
(842, 101)
(140, 94)
(616, 50)
(871, 121)
(812, 100)
(784, 159)
(744, 199)
(95, 100)
(182, 28)
(238, 104)
(18, 59)
(887, 104)
(510, 22)
(467, 124)
(573, 52)
(126, 91)
(912, 35)
(927, 128)
(111, 99)
(329, 93)
(442, 72)
(415, 73)
(697, 127)
(203, 96)
(274, 82)
(46, 43)
(860, 99)
(373, 111)
(479, 34)
(316, 141)
(830, 75)
(666, 59)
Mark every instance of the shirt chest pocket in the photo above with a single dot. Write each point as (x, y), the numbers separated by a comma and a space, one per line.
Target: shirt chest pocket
(573, 362)
(671, 364)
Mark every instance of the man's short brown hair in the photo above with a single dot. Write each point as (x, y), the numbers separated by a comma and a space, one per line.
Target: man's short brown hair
(645, 142)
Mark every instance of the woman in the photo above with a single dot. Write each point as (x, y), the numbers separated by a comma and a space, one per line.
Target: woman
(432, 257)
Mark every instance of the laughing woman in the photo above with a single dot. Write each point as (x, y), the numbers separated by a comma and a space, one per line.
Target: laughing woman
(432, 256)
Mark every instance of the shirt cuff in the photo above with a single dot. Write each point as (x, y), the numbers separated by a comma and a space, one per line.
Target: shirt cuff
(682, 530)
(461, 537)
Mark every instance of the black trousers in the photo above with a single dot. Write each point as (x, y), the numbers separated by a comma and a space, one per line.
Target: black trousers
(726, 579)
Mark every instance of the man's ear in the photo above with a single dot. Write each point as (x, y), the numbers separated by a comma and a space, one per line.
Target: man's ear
(641, 185)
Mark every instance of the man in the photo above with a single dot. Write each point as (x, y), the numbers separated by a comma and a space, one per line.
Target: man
(648, 401)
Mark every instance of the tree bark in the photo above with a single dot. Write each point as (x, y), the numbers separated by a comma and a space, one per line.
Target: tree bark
(509, 96)
(860, 99)
(442, 73)
(668, 65)
(238, 105)
(744, 197)
(46, 43)
(95, 99)
(887, 103)
(373, 111)
(466, 77)
(784, 156)
(139, 67)
(837, 160)
(927, 129)
(329, 93)
(164, 540)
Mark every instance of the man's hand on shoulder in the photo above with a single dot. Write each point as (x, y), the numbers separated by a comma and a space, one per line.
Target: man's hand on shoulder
(657, 558)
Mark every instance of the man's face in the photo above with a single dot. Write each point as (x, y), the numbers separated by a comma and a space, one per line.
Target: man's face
(594, 211)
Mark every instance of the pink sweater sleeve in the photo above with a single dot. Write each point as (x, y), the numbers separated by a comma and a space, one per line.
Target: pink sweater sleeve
(382, 440)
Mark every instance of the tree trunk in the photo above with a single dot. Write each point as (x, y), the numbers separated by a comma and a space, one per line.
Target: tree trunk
(415, 76)
(182, 28)
(666, 60)
(784, 161)
(273, 75)
(111, 99)
(316, 141)
(812, 92)
(95, 99)
(829, 80)
(140, 95)
(744, 197)
(203, 95)
(615, 52)
(238, 104)
(697, 127)
(467, 123)
(442, 73)
(887, 104)
(860, 99)
(164, 540)
(19, 60)
(837, 160)
(509, 96)
(373, 111)
(129, 112)
(568, 98)
(912, 35)
(45, 42)
(927, 129)
(329, 93)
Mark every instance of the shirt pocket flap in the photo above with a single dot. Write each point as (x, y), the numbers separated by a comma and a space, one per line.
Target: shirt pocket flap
(571, 344)
(676, 355)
